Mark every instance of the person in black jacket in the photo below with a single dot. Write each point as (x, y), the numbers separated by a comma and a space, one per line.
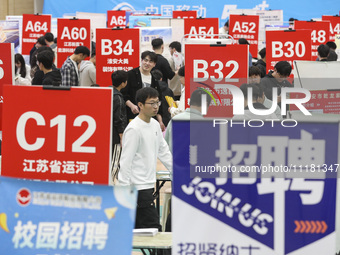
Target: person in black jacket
(40, 42)
(277, 79)
(323, 52)
(261, 63)
(45, 62)
(138, 78)
(119, 81)
(38, 76)
(166, 92)
(162, 63)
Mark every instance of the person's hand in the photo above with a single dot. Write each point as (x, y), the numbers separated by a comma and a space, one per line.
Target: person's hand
(162, 126)
(134, 109)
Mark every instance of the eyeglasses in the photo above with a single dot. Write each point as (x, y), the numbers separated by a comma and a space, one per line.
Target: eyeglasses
(155, 104)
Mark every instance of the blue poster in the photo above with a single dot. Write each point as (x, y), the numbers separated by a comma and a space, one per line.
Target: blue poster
(60, 218)
(254, 190)
(9, 33)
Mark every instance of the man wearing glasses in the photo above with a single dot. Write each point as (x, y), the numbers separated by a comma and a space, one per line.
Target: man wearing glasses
(142, 144)
(140, 77)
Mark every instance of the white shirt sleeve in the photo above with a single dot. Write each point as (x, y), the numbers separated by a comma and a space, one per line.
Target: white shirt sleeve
(130, 145)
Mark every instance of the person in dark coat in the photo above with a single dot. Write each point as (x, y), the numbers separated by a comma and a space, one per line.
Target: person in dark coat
(277, 79)
(45, 62)
(119, 81)
(261, 63)
(138, 78)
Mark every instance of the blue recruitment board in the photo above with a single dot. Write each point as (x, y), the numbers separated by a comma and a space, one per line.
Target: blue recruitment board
(222, 181)
(60, 218)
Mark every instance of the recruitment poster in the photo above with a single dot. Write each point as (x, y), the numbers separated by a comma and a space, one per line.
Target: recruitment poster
(60, 218)
(269, 190)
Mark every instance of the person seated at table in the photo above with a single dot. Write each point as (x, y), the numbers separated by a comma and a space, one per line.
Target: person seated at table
(254, 74)
(323, 51)
(257, 99)
(22, 71)
(278, 78)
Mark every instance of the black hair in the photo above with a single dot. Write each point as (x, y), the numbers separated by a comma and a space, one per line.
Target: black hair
(157, 43)
(257, 92)
(196, 97)
(226, 24)
(118, 77)
(176, 45)
(331, 45)
(157, 74)
(144, 93)
(262, 52)
(181, 71)
(243, 41)
(254, 70)
(36, 52)
(283, 68)
(49, 37)
(150, 54)
(332, 56)
(93, 53)
(46, 59)
(41, 40)
(82, 50)
(56, 40)
(20, 59)
(323, 50)
(261, 88)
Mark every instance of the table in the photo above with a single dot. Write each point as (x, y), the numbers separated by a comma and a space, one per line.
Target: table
(162, 240)
(161, 178)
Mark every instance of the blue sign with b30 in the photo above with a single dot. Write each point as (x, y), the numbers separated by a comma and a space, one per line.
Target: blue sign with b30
(60, 218)
(268, 190)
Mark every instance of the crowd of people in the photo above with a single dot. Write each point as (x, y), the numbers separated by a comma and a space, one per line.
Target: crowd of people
(146, 99)
(42, 68)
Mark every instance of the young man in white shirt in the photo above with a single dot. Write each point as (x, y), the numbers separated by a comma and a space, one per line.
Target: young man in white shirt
(142, 143)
